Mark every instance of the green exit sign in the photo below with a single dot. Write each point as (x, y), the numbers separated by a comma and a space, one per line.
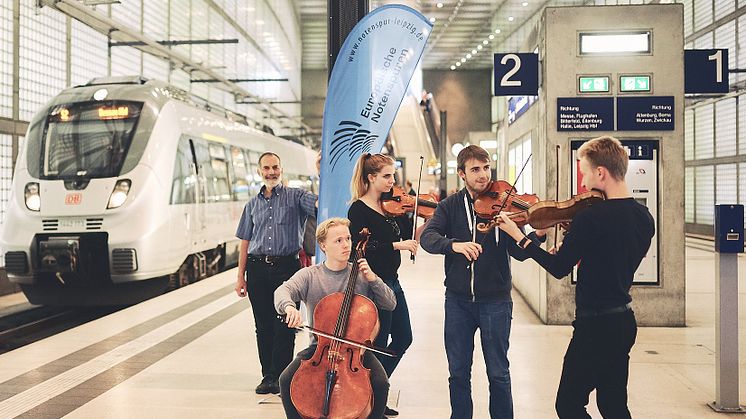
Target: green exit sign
(634, 83)
(593, 84)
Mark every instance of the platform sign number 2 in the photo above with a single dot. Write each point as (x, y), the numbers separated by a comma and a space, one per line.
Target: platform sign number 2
(516, 74)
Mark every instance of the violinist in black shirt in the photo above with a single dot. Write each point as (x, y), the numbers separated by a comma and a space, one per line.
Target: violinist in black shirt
(609, 239)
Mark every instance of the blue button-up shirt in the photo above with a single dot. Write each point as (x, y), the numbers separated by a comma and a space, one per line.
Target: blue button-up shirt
(274, 226)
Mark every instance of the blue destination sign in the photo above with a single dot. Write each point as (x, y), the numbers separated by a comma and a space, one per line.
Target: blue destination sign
(517, 105)
(585, 114)
(649, 113)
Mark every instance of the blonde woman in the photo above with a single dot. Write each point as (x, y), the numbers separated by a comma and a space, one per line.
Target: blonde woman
(373, 177)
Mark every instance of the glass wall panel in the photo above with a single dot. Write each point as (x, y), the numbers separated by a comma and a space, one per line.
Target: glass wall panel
(42, 57)
(6, 59)
(723, 8)
(705, 194)
(726, 178)
(703, 132)
(89, 57)
(6, 172)
(689, 195)
(725, 128)
(688, 134)
(702, 13)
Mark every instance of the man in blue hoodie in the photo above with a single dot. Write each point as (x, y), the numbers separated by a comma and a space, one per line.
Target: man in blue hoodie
(478, 284)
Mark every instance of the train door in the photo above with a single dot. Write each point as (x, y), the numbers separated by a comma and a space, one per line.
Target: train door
(199, 225)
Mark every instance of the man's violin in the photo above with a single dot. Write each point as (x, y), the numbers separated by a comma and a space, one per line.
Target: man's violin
(398, 202)
(500, 196)
(546, 214)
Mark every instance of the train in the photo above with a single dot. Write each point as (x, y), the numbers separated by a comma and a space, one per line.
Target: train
(125, 187)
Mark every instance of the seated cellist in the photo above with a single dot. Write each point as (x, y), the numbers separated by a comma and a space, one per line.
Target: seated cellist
(313, 283)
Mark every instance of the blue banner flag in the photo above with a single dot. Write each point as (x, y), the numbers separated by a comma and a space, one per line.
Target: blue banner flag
(368, 83)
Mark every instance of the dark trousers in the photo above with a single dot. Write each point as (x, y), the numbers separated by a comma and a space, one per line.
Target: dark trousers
(597, 358)
(378, 380)
(394, 324)
(493, 319)
(274, 339)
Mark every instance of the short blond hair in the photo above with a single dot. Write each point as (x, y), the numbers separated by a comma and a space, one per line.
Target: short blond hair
(323, 229)
(607, 152)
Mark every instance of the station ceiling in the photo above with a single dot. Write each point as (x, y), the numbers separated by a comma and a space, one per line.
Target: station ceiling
(460, 27)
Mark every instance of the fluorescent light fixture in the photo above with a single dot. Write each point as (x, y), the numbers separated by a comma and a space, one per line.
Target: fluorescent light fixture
(611, 43)
(488, 143)
(453, 67)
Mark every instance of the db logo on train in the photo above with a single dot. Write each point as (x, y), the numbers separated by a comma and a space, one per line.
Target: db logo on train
(73, 198)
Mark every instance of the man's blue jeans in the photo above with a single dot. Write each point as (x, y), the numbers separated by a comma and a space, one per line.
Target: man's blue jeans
(493, 319)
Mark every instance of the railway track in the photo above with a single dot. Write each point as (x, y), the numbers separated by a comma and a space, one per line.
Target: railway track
(31, 323)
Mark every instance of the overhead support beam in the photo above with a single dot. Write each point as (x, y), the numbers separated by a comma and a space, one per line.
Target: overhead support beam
(274, 102)
(174, 43)
(236, 80)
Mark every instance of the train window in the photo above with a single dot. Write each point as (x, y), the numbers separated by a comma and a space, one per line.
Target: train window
(254, 157)
(87, 139)
(242, 177)
(183, 184)
(215, 173)
(216, 151)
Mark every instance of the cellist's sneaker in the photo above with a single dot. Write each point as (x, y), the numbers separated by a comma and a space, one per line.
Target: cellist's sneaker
(265, 387)
(389, 412)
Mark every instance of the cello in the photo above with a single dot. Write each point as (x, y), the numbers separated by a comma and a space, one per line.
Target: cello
(333, 383)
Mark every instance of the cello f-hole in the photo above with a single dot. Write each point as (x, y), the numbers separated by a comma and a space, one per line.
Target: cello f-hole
(350, 358)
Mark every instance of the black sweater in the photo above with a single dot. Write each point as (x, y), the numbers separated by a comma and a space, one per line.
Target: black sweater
(384, 231)
(609, 239)
(492, 277)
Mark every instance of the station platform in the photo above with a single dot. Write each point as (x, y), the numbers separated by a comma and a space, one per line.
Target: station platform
(192, 354)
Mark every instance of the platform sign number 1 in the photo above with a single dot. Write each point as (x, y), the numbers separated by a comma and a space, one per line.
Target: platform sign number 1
(516, 74)
(705, 71)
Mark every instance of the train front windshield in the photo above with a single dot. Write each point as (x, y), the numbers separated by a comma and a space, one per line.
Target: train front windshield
(87, 140)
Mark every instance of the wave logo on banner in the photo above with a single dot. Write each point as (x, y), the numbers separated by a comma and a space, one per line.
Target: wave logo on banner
(368, 83)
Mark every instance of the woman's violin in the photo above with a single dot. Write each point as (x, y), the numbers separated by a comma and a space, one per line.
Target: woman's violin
(546, 214)
(398, 202)
(499, 197)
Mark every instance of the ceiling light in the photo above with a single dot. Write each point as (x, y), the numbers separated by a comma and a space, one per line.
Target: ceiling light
(468, 56)
(453, 67)
(439, 6)
(260, 22)
(485, 42)
(524, 4)
(479, 47)
(458, 64)
(432, 20)
(492, 36)
(473, 51)
(497, 30)
(511, 18)
(463, 60)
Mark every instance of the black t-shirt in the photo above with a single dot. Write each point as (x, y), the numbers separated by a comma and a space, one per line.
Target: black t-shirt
(384, 231)
(609, 239)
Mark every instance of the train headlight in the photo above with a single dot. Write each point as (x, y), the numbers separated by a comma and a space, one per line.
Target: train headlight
(119, 195)
(31, 196)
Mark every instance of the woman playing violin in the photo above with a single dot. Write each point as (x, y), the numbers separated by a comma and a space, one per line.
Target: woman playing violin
(373, 176)
(313, 283)
(610, 239)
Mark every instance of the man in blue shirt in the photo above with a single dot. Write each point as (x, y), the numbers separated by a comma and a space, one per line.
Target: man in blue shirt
(271, 233)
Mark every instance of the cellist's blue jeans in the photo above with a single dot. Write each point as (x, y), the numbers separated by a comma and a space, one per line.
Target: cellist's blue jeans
(379, 383)
(493, 319)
